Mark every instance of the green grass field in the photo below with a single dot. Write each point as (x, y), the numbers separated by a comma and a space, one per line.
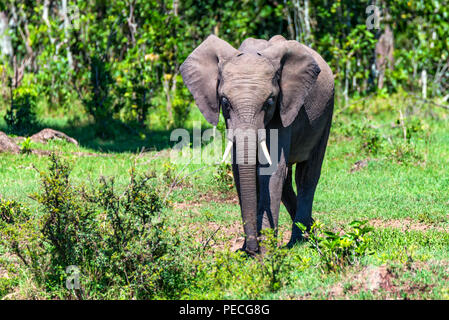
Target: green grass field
(392, 174)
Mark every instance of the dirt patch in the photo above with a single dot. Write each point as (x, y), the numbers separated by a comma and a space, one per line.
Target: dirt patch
(218, 237)
(406, 224)
(371, 278)
(359, 165)
(227, 198)
(386, 282)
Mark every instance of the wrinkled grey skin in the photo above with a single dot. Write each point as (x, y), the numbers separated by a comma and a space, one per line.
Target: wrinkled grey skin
(275, 84)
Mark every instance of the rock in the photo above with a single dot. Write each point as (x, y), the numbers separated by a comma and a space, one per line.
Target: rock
(7, 144)
(18, 139)
(49, 134)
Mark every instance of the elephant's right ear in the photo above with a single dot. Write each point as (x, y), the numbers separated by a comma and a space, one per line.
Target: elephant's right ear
(200, 74)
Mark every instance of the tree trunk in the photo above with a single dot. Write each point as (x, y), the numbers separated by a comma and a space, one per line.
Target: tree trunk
(5, 39)
(67, 33)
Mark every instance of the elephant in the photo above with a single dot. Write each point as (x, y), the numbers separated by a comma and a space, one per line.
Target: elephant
(278, 86)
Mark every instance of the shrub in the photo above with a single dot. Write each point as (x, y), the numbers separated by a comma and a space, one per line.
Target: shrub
(117, 240)
(337, 251)
(403, 152)
(278, 263)
(19, 233)
(227, 273)
(371, 140)
(21, 116)
(25, 147)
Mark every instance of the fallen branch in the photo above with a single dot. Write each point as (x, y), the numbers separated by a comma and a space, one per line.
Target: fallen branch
(429, 101)
(210, 238)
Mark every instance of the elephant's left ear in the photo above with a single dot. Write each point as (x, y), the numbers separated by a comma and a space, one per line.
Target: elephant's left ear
(299, 72)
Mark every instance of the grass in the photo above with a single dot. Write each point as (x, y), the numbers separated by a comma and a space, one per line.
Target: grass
(402, 190)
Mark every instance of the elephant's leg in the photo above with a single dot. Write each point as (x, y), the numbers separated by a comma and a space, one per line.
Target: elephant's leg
(289, 195)
(306, 183)
(307, 176)
(270, 193)
(271, 185)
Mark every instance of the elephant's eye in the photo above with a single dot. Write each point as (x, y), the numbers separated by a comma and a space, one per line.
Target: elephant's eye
(225, 103)
(270, 101)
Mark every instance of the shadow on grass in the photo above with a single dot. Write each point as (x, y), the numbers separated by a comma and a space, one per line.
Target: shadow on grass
(115, 137)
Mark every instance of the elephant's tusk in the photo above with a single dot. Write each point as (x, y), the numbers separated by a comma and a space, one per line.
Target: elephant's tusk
(227, 150)
(263, 144)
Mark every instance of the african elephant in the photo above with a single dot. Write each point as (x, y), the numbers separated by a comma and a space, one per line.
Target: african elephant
(266, 85)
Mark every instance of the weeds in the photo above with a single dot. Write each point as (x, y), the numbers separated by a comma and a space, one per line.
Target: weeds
(230, 272)
(278, 263)
(25, 147)
(224, 178)
(118, 240)
(337, 251)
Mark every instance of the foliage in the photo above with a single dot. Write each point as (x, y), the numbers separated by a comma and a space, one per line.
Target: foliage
(21, 116)
(223, 177)
(278, 263)
(118, 241)
(131, 68)
(230, 272)
(25, 146)
(335, 250)
(20, 234)
(371, 139)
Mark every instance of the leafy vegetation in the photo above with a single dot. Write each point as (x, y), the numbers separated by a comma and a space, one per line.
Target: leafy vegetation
(138, 226)
(337, 250)
(118, 241)
(62, 52)
(186, 246)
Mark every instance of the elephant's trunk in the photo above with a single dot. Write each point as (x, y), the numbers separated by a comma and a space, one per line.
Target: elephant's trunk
(246, 156)
(248, 198)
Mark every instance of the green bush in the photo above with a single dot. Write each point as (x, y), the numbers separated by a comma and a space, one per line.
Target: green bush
(371, 140)
(20, 234)
(118, 240)
(403, 152)
(335, 250)
(227, 273)
(25, 146)
(21, 115)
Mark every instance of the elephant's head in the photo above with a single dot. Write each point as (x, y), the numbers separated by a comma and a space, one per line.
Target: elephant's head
(249, 84)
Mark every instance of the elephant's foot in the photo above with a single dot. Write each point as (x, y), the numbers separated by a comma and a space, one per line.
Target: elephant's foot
(297, 237)
(294, 242)
(249, 254)
(252, 251)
